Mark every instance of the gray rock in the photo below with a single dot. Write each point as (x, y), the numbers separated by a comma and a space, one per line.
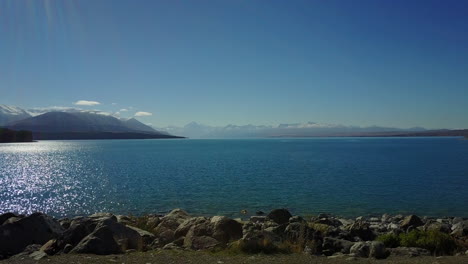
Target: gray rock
(80, 227)
(434, 225)
(110, 237)
(147, 237)
(225, 229)
(337, 245)
(171, 222)
(360, 249)
(279, 216)
(100, 242)
(378, 250)
(34, 229)
(409, 251)
(411, 221)
(460, 229)
(362, 230)
(183, 228)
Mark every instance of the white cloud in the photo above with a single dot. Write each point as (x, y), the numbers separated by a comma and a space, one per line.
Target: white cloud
(143, 114)
(114, 104)
(123, 110)
(87, 103)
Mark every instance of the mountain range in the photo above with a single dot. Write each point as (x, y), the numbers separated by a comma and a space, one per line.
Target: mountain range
(309, 129)
(76, 125)
(69, 123)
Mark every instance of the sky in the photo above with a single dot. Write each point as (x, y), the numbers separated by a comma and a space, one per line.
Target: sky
(387, 63)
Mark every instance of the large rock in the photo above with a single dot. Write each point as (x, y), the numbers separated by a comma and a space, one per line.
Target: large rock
(360, 249)
(198, 233)
(433, 225)
(298, 232)
(100, 242)
(372, 249)
(411, 220)
(147, 237)
(378, 250)
(460, 229)
(225, 229)
(280, 216)
(110, 237)
(80, 227)
(169, 224)
(34, 229)
(361, 229)
(334, 245)
(183, 228)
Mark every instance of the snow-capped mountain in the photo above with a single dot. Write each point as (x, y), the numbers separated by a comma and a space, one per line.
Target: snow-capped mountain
(10, 114)
(58, 122)
(309, 129)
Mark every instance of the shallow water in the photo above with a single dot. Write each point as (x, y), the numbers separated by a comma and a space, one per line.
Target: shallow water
(344, 176)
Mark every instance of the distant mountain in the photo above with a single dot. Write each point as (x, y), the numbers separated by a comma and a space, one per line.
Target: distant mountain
(136, 125)
(84, 125)
(10, 114)
(309, 129)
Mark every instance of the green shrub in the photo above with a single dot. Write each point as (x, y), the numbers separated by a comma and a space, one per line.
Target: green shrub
(389, 240)
(435, 241)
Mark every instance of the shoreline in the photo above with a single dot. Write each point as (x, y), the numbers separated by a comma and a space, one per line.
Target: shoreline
(39, 235)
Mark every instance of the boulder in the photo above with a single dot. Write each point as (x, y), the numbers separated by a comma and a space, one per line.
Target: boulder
(183, 228)
(361, 229)
(100, 242)
(409, 252)
(170, 222)
(279, 216)
(297, 232)
(411, 221)
(378, 250)
(434, 225)
(360, 249)
(460, 229)
(80, 227)
(34, 229)
(147, 237)
(334, 245)
(110, 237)
(225, 229)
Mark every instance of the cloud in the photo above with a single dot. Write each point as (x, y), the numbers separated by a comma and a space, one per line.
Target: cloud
(123, 110)
(87, 103)
(143, 114)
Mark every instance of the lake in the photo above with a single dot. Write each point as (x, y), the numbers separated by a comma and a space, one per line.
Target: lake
(342, 176)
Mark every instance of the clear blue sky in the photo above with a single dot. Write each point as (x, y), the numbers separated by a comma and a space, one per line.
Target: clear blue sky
(387, 63)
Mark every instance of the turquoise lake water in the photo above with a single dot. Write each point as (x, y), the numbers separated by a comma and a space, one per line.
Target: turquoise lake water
(343, 176)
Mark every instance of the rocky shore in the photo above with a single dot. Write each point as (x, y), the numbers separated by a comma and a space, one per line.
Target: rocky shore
(38, 235)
